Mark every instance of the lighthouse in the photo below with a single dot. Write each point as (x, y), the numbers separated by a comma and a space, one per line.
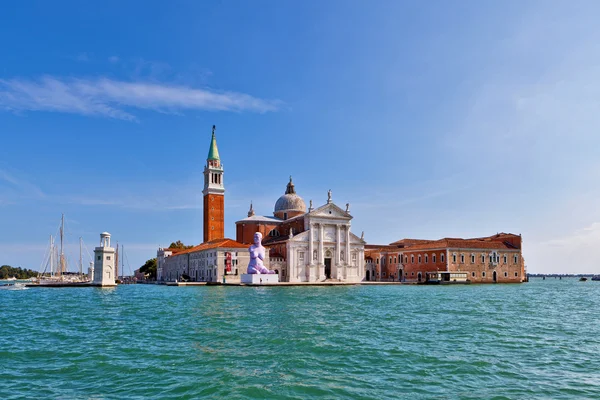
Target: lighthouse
(104, 262)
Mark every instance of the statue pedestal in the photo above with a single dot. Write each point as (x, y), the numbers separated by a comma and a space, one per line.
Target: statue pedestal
(259, 279)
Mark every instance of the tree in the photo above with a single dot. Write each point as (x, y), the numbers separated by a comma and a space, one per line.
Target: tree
(179, 245)
(149, 268)
(6, 271)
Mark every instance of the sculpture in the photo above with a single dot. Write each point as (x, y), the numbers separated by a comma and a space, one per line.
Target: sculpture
(257, 255)
(329, 196)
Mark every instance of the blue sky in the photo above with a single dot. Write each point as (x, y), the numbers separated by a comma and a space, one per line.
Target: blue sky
(431, 119)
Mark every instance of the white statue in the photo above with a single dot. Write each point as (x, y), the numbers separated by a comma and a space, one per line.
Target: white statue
(257, 256)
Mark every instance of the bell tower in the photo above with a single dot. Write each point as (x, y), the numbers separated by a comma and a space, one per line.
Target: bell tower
(214, 194)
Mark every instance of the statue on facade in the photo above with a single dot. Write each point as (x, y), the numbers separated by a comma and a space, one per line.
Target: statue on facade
(329, 196)
(257, 256)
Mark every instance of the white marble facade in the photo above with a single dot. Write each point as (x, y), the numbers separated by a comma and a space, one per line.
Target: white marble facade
(327, 249)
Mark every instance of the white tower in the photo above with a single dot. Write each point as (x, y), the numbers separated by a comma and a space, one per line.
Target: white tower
(104, 261)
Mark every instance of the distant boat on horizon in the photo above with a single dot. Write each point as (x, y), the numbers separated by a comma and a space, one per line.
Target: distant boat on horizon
(596, 278)
(582, 279)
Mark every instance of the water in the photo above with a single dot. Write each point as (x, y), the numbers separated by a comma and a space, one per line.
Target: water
(536, 340)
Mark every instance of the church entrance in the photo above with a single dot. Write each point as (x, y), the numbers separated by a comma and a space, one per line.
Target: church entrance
(328, 268)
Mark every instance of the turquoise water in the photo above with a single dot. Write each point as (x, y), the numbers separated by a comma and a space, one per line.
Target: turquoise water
(536, 340)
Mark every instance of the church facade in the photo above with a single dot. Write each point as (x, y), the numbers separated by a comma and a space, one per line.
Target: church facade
(307, 245)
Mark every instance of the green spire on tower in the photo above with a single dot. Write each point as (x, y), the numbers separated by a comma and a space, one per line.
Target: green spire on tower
(213, 152)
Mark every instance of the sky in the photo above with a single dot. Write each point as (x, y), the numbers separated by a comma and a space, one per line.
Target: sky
(432, 119)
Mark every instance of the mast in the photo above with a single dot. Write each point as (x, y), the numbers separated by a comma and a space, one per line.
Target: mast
(117, 263)
(62, 254)
(51, 255)
(123, 259)
(80, 258)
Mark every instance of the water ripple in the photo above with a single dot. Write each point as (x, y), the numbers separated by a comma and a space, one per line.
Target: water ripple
(537, 340)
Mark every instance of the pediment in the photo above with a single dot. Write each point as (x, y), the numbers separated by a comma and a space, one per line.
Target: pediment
(330, 211)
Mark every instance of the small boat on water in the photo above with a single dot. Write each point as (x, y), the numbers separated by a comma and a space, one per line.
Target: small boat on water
(596, 278)
(582, 279)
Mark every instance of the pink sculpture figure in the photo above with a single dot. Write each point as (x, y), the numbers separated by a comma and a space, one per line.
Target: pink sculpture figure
(257, 255)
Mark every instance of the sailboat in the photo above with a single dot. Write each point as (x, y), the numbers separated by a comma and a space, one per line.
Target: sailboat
(57, 262)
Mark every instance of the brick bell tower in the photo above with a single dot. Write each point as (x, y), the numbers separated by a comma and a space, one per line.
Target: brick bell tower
(214, 194)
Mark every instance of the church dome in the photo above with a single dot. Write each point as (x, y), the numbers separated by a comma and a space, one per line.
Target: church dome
(290, 204)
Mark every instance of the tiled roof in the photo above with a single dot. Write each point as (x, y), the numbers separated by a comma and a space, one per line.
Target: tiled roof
(261, 218)
(498, 241)
(215, 244)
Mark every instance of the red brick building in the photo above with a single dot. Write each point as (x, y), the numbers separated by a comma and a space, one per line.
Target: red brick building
(490, 259)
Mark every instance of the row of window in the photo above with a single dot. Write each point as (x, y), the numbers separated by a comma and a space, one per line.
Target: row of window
(494, 258)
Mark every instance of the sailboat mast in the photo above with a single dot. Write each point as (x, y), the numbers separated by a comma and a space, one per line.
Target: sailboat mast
(62, 254)
(117, 263)
(51, 255)
(80, 258)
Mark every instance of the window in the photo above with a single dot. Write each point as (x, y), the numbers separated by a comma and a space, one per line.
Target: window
(426, 258)
(419, 259)
(483, 258)
(462, 258)
(99, 258)
(516, 274)
(433, 258)
(284, 215)
(390, 260)
(383, 274)
(505, 259)
(412, 259)
(301, 256)
(473, 274)
(515, 259)
(412, 273)
(453, 258)
(108, 258)
(442, 257)
(406, 259)
(505, 274)
(483, 274)
(472, 258)
(394, 260)
(377, 261)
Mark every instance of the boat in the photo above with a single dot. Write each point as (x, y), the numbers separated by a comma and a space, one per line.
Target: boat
(582, 279)
(596, 278)
(56, 260)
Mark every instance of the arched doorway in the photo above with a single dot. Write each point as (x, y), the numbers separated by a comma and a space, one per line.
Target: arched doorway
(495, 277)
(419, 277)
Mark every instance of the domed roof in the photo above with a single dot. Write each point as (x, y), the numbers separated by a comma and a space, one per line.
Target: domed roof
(290, 201)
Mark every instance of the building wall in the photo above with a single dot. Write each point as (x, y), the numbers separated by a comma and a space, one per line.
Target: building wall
(482, 269)
(244, 231)
(207, 265)
(422, 261)
(214, 217)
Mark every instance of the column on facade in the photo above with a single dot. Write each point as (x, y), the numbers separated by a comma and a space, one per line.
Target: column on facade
(311, 232)
(291, 261)
(321, 239)
(348, 261)
(338, 244)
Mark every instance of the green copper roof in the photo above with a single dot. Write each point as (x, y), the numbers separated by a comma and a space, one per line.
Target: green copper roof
(213, 152)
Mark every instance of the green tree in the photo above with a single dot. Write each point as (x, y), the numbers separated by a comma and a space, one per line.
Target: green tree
(6, 271)
(149, 268)
(179, 245)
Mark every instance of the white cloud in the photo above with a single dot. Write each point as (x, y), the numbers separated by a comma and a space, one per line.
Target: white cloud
(110, 98)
